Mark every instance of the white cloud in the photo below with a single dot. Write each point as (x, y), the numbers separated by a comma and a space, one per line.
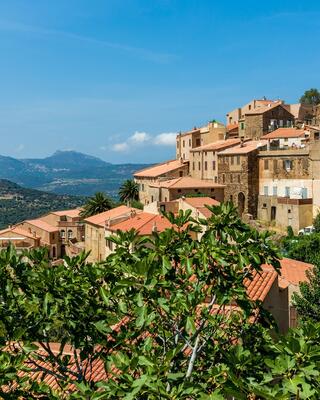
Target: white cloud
(119, 147)
(165, 139)
(140, 137)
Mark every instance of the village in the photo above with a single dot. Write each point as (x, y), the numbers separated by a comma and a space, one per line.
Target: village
(265, 160)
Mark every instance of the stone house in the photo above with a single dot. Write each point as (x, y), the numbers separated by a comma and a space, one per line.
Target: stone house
(209, 133)
(164, 171)
(316, 119)
(236, 115)
(303, 113)
(263, 120)
(20, 238)
(176, 188)
(204, 160)
(238, 171)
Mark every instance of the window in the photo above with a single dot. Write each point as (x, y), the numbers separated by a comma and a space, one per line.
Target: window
(286, 140)
(183, 143)
(183, 156)
(232, 160)
(287, 191)
(110, 244)
(189, 142)
(212, 190)
(196, 190)
(304, 193)
(275, 191)
(205, 153)
(316, 135)
(275, 165)
(151, 199)
(266, 190)
(213, 165)
(287, 165)
(53, 236)
(199, 165)
(266, 164)
(223, 178)
(70, 233)
(264, 205)
(205, 166)
(63, 233)
(179, 190)
(238, 160)
(198, 142)
(181, 174)
(249, 107)
(242, 125)
(216, 179)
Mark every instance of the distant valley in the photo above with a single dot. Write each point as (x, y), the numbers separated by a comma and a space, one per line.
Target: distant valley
(18, 203)
(67, 172)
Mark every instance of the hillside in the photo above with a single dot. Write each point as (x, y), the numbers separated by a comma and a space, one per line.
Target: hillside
(18, 204)
(67, 172)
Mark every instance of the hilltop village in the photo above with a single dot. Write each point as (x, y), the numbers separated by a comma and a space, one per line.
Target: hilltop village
(265, 160)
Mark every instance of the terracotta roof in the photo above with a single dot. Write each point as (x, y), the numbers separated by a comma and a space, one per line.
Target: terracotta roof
(100, 219)
(263, 109)
(145, 223)
(259, 287)
(160, 169)
(186, 183)
(220, 144)
(194, 130)
(232, 127)
(200, 204)
(41, 225)
(18, 231)
(285, 133)
(292, 272)
(247, 147)
(74, 213)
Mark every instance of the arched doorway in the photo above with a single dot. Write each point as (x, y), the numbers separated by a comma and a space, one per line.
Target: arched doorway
(241, 203)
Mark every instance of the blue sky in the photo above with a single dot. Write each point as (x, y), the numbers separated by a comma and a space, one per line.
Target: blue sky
(117, 79)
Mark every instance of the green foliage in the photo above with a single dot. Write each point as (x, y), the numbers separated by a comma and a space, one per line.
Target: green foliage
(96, 205)
(308, 301)
(316, 223)
(129, 191)
(304, 248)
(290, 232)
(137, 204)
(162, 311)
(311, 96)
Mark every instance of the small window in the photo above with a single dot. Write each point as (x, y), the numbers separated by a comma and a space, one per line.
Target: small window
(242, 125)
(196, 190)
(63, 233)
(287, 165)
(264, 205)
(205, 166)
(275, 191)
(181, 174)
(212, 190)
(287, 191)
(275, 165)
(266, 164)
(249, 107)
(199, 165)
(289, 211)
(213, 165)
(198, 142)
(232, 160)
(189, 142)
(183, 143)
(223, 178)
(179, 190)
(265, 190)
(70, 234)
(151, 199)
(238, 160)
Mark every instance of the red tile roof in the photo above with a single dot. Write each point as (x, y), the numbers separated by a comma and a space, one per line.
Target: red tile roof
(266, 108)
(219, 145)
(38, 223)
(18, 231)
(259, 287)
(232, 127)
(285, 133)
(100, 219)
(74, 213)
(247, 147)
(145, 223)
(200, 204)
(186, 183)
(160, 169)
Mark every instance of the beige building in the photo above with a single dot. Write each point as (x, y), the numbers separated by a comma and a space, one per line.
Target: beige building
(175, 188)
(289, 183)
(164, 171)
(20, 238)
(95, 241)
(187, 141)
(236, 115)
(204, 159)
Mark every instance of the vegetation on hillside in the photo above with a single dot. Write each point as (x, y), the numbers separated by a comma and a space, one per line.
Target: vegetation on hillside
(161, 317)
(18, 204)
(311, 96)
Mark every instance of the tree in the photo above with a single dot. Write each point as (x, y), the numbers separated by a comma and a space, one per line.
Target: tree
(129, 191)
(304, 248)
(96, 205)
(311, 96)
(166, 317)
(316, 223)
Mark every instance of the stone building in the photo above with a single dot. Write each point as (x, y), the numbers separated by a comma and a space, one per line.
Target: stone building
(187, 141)
(176, 188)
(164, 171)
(238, 171)
(204, 160)
(303, 113)
(263, 120)
(236, 115)
(20, 238)
(317, 115)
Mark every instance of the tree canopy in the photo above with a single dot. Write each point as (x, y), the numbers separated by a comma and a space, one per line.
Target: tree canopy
(129, 191)
(96, 205)
(311, 96)
(167, 317)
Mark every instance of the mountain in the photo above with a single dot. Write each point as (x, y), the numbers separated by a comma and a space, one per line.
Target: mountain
(18, 203)
(68, 172)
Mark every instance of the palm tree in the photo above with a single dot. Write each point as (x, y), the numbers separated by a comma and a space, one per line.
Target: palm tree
(96, 205)
(129, 191)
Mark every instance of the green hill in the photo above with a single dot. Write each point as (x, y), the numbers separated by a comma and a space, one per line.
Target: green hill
(18, 203)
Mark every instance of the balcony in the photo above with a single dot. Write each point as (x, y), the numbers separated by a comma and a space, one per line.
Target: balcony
(296, 202)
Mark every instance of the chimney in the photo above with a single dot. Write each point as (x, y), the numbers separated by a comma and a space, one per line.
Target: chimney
(241, 141)
(154, 227)
(133, 213)
(107, 223)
